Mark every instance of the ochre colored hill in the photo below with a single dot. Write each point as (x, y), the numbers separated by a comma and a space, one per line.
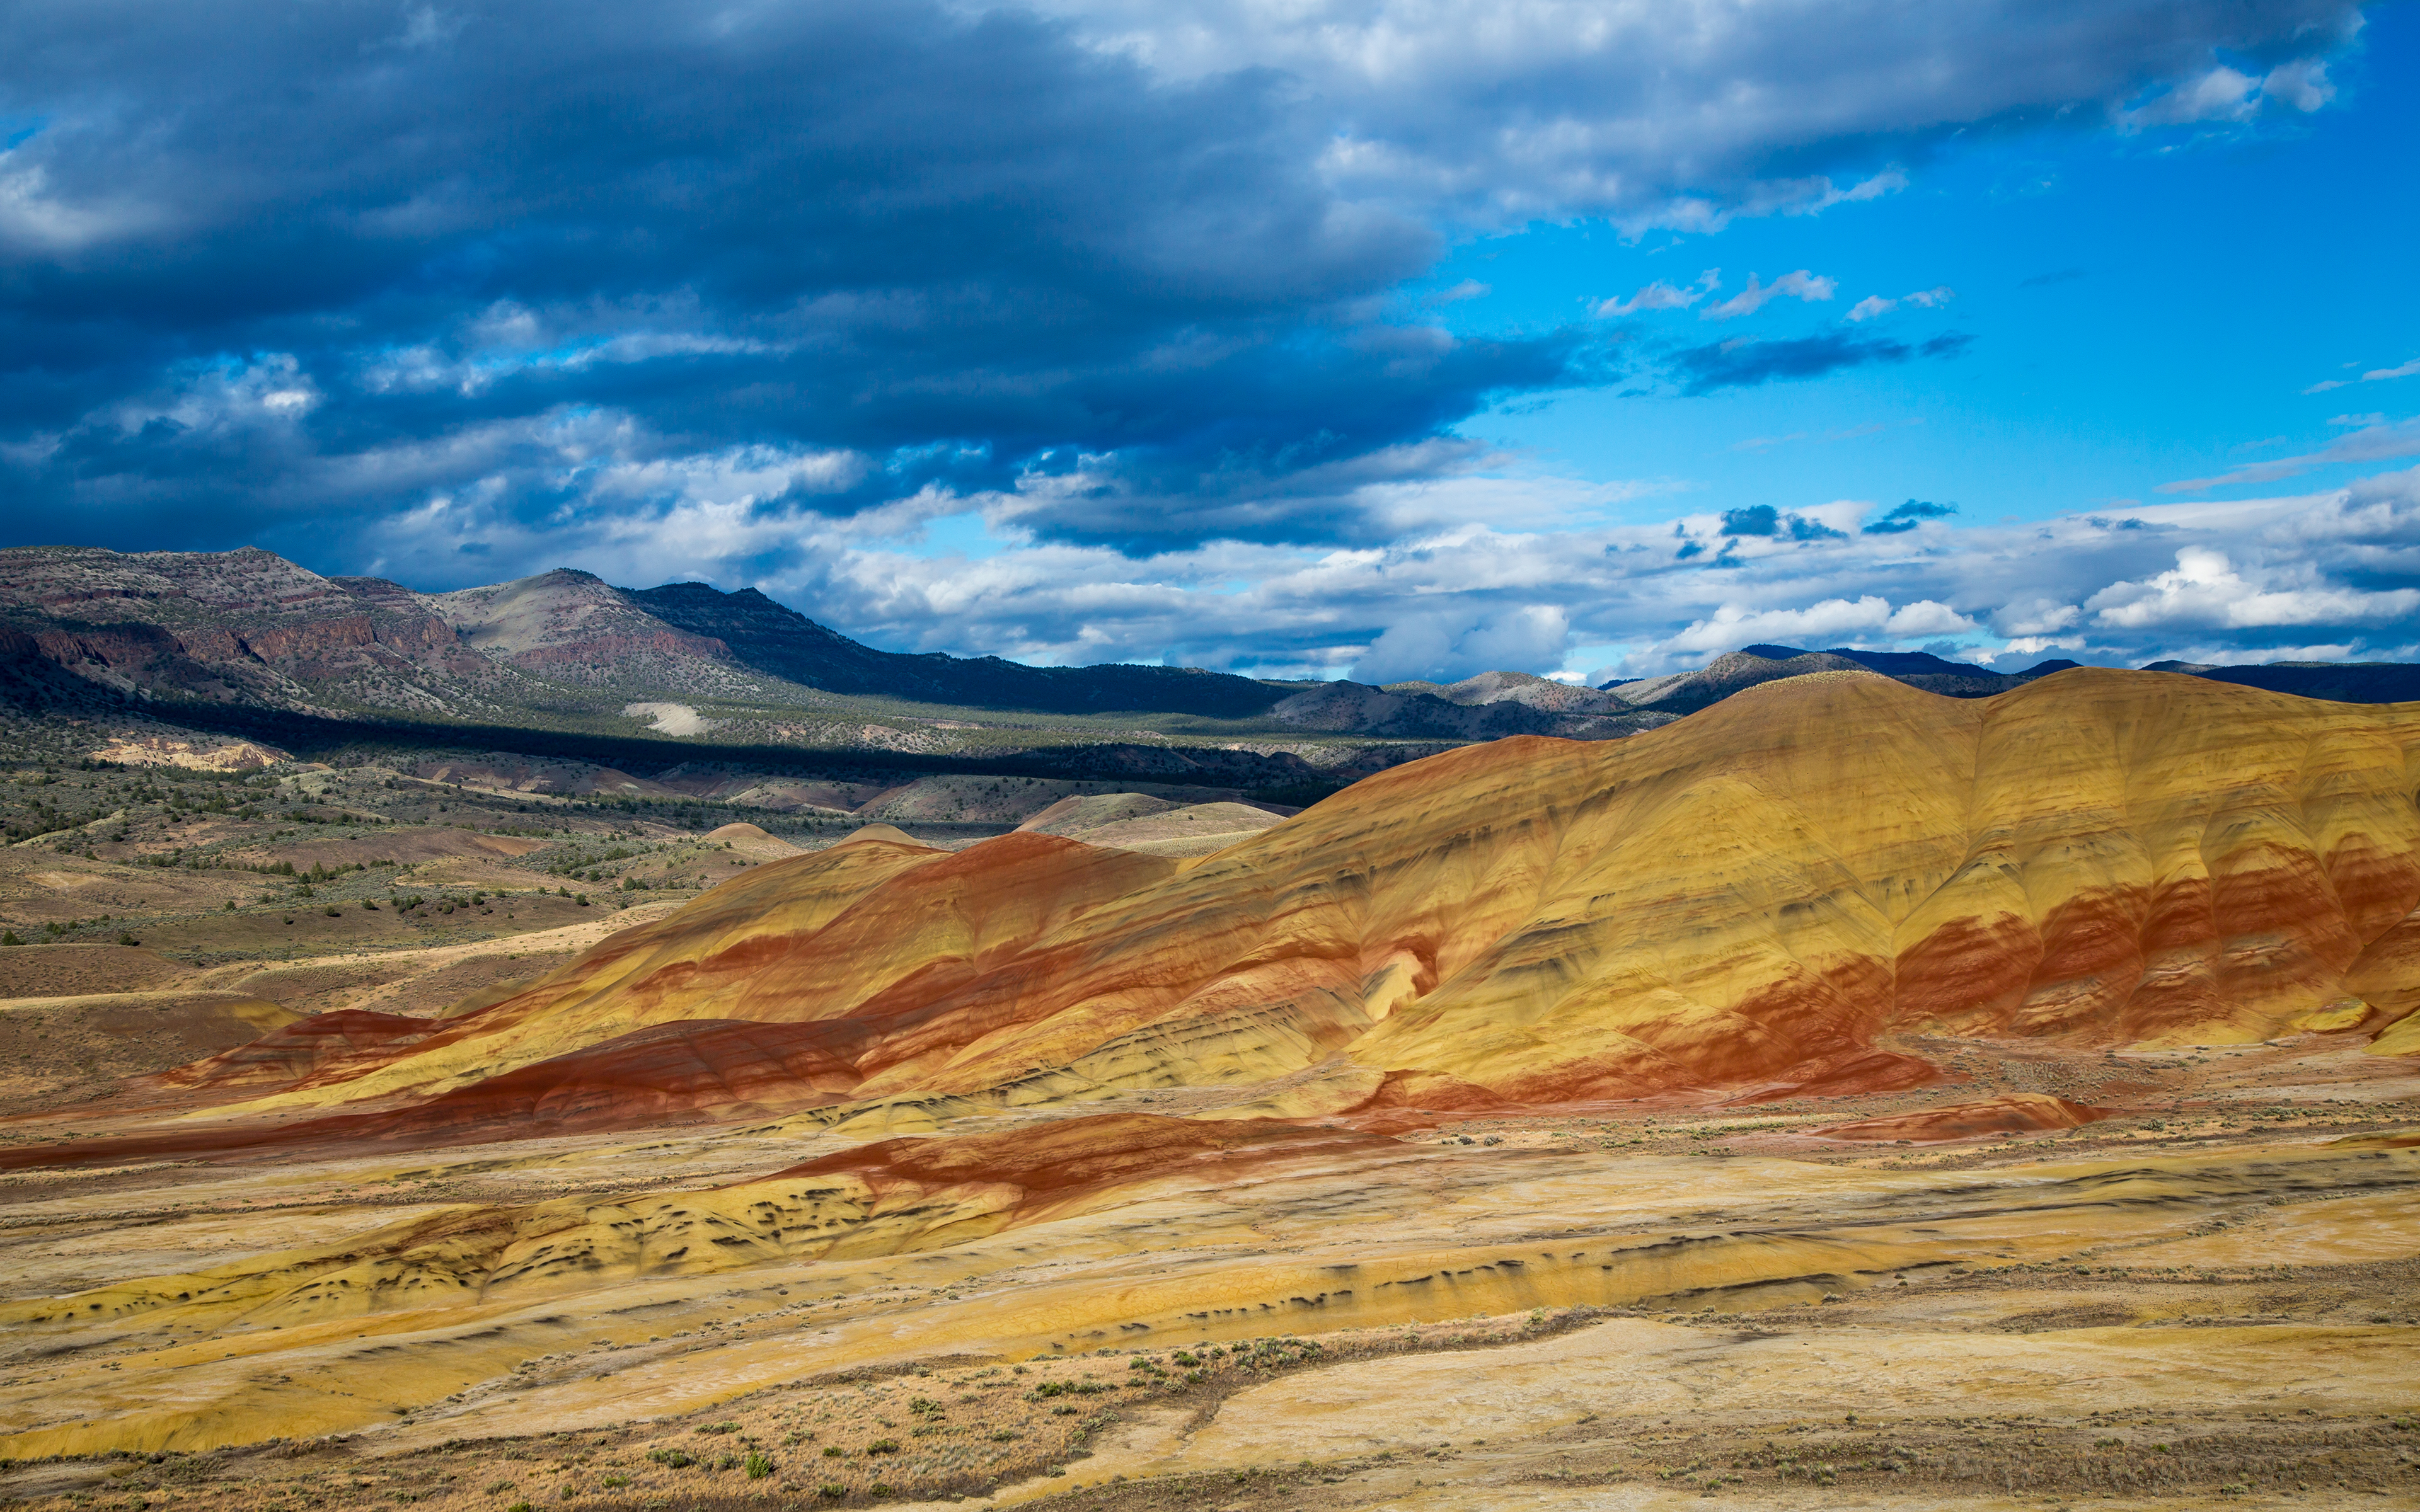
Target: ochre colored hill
(1752, 900)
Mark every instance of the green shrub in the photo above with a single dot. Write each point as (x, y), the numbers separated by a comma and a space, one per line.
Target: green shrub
(673, 1457)
(883, 1446)
(758, 1466)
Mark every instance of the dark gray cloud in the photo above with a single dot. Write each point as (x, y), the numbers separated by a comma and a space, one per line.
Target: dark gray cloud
(1901, 518)
(1741, 364)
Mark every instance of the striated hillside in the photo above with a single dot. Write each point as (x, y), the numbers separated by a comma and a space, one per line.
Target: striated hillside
(1754, 900)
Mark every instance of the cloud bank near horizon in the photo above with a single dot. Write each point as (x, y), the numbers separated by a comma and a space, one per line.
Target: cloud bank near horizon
(2320, 577)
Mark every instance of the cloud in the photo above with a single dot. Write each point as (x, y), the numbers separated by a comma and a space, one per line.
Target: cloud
(1451, 598)
(2324, 385)
(1765, 521)
(1875, 305)
(2204, 590)
(1906, 516)
(2406, 370)
(1735, 364)
(2375, 442)
(2223, 94)
(1114, 272)
(1798, 286)
(1442, 647)
(1662, 296)
(1829, 622)
(1688, 114)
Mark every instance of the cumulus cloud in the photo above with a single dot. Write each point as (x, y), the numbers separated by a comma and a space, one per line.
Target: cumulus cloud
(1801, 284)
(2204, 590)
(1445, 646)
(1829, 622)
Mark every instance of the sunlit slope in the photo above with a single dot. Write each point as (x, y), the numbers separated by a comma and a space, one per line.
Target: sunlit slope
(1753, 895)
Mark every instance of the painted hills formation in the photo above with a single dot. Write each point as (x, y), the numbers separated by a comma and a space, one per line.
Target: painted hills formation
(1766, 898)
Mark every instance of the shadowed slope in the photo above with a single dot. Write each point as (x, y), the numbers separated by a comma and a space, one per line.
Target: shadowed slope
(1749, 901)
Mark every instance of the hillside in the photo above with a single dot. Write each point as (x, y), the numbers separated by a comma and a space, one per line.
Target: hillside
(250, 626)
(1756, 900)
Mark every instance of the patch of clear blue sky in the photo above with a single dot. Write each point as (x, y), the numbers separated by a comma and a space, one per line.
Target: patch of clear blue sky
(2143, 309)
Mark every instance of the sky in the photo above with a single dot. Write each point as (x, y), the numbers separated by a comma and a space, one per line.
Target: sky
(1367, 338)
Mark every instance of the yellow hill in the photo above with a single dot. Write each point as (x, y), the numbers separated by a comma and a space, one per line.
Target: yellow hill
(1749, 899)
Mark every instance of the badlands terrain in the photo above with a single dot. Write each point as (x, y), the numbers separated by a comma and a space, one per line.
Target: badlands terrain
(1848, 1094)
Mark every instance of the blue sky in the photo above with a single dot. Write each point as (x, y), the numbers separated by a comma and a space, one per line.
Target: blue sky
(1377, 338)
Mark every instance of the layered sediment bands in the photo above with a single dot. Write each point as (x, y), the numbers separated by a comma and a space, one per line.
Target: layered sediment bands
(893, 1197)
(2016, 1113)
(1095, 1232)
(1749, 901)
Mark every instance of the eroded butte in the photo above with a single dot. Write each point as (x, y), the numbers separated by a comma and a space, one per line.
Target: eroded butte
(1843, 1095)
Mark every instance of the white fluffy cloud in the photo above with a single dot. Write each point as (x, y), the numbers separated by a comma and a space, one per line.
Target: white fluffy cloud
(2205, 591)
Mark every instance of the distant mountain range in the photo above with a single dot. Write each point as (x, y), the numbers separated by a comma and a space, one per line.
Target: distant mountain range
(770, 638)
(565, 649)
(250, 626)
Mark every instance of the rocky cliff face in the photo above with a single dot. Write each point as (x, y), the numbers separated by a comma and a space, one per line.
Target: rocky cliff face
(245, 627)
(1754, 900)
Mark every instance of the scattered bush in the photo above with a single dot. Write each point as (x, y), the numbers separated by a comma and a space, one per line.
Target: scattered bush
(757, 1465)
(883, 1446)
